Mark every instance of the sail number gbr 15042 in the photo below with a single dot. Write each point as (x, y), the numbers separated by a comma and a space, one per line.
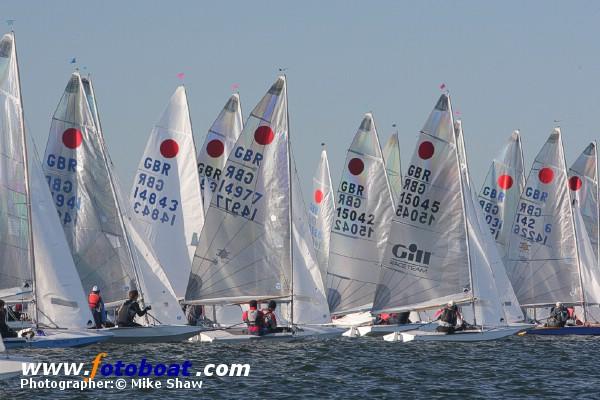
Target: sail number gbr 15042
(412, 204)
(350, 219)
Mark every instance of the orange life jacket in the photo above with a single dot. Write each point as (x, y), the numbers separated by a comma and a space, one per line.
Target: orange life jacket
(93, 300)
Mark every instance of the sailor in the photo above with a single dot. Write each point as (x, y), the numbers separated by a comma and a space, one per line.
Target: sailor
(448, 318)
(96, 306)
(270, 319)
(130, 309)
(254, 318)
(558, 316)
(5, 330)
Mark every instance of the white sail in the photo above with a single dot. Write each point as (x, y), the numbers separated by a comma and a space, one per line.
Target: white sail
(542, 250)
(310, 302)
(60, 298)
(16, 267)
(244, 249)
(590, 273)
(78, 176)
(391, 155)
(219, 141)
(165, 198)
(321, 210)
(426, 261)
(500, 193)
(361, 224)
(481, 238)
(583, 183)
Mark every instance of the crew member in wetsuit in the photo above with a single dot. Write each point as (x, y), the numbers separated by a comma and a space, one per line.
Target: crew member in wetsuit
(130, 309)
(254, 319)
(5, 330)
(558, 316)
(448, 318)
(270, 319)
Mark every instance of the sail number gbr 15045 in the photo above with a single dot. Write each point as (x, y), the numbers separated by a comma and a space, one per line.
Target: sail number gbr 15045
(412, 204)
(350, 219)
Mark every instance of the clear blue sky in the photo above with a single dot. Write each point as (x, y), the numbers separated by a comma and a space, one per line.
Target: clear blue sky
(507, 64)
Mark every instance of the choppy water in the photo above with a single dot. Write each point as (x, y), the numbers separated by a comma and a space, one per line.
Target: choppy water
(527, 367)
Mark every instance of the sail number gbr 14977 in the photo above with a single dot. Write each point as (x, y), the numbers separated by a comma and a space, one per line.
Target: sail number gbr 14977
(350, 219)
(413, 204)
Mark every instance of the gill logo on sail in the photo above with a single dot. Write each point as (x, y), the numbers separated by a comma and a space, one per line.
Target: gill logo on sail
(411, 257)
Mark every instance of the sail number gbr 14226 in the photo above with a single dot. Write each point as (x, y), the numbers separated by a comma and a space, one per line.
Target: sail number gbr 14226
(412, 204)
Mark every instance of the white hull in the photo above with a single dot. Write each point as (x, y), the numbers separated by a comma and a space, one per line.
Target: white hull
(380, 330)
(240, 335)
(10, 366)
(353, 320)
(477, 335)
(59, 338)
(152, 334)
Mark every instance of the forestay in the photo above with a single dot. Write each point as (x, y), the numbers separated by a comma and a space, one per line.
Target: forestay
(393, 168)
(320, 213)
(583, 183)
(361, 224)
(542, 250)
(244, 250)
(15, 258)
(426, 261)
(219, 141)
(165, 198)
(500, 193)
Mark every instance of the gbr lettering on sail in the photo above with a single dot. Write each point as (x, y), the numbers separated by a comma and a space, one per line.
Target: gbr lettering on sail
(414, 204)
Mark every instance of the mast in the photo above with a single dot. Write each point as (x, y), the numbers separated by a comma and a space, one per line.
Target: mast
(289, 160)
(464, 207)
(597, 198)
(583, 303)
(113, 188)
(27, 187)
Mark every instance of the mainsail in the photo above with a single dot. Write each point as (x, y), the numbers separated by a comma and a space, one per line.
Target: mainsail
(321, 210)
(165, 198)
(583, 183)
(543, 263)
(16, 261)
(391, 156)
(244, 250)
(78, 177)
(59, 297)
(427, 259)
(219, 141)
(361, 222)
(499, 195)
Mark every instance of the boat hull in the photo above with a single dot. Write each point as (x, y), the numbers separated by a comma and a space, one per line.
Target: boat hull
(59, 339)
(11, 366)
(240, 335)
(152, 334)
(567, 330)
(380, 330)
(461, 336)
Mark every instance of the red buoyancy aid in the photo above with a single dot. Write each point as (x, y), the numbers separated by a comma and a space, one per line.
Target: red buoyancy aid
(254, 319)
(94, 300)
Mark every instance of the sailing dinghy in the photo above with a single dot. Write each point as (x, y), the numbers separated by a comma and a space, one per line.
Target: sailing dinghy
(107, 249)
(435, 252)
(550, 249)
(253, 245)
(34, 250)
